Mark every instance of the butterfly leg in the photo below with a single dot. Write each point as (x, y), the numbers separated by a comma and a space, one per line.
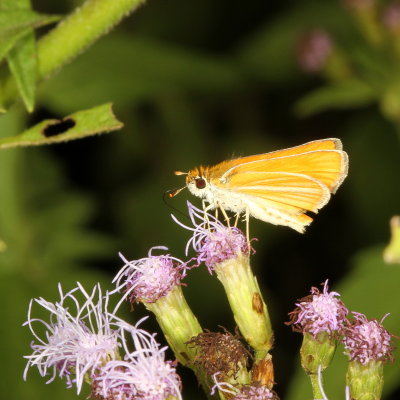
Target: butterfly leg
(225, 216)
(248, 226)
(237, 219)
(205, 209)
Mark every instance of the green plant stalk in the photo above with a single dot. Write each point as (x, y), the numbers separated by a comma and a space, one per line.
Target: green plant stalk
(371, 28)
(179, 325)
(316, 389)
(247, 304)
(72, 36)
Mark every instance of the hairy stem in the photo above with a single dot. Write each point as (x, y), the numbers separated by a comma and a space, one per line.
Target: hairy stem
(71, 37)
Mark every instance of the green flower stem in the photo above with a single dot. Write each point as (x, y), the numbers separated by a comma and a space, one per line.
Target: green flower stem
(369, 24)
(248, 306)
(337, 67)
(316, 389)
(72, 36)
(179, 325)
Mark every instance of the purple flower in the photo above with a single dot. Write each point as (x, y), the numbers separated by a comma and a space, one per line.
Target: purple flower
(391, 17)
(75, 343)
(366, 340)
(213, 241)
(313, 50)
(149, 278)
(255, 392)
(319, 312)
(143, 374)
(245, 392)
(86, 345)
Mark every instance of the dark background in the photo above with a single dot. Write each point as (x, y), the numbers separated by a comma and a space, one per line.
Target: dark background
(196, 82)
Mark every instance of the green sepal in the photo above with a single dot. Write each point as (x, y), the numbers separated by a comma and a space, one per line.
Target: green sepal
(317, 352)
(365, 381)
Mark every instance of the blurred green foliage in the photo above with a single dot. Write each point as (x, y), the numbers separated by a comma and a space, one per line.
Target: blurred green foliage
(198, 82)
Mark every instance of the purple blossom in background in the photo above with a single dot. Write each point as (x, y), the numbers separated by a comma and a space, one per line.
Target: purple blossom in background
(367, 341)
(211, 240)
(313, 50)
(391, 17)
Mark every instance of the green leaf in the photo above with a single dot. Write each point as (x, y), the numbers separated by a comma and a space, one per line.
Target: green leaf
(370, 288)
(22, 58)
(96, 120)
(23, 65)
(341, 95)
(16, 24)
(15, 5)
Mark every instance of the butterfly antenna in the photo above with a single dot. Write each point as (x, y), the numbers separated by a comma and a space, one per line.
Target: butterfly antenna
(169, 194)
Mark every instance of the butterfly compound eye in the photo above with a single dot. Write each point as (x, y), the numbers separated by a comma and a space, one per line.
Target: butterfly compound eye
(200, 183)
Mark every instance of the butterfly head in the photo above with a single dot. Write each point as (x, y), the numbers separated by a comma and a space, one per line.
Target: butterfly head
(195, 182)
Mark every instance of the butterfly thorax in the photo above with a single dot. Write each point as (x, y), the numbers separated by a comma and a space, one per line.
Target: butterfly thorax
(209, 183)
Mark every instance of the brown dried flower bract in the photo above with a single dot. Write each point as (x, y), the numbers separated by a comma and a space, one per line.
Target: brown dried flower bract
(219, 352)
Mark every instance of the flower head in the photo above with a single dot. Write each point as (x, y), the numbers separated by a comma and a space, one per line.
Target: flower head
(319, 312)
(313, 50)
(367, 340)
(391, 17)
(255, 392)
(143, 374)
(149, 278)
(244, 392)
(213, 241)
(75, 343)
(86, 345)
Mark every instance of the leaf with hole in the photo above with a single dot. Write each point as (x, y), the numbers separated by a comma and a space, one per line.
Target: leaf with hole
(84, 123)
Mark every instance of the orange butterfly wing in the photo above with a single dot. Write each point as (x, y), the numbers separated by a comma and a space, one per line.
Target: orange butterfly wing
(282, 185)
(329, 167)
(288, 191)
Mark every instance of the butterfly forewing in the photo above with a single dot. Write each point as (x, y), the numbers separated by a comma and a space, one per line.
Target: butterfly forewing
(288, 191)
(327, 166)
(277, 187)
(324, 144)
